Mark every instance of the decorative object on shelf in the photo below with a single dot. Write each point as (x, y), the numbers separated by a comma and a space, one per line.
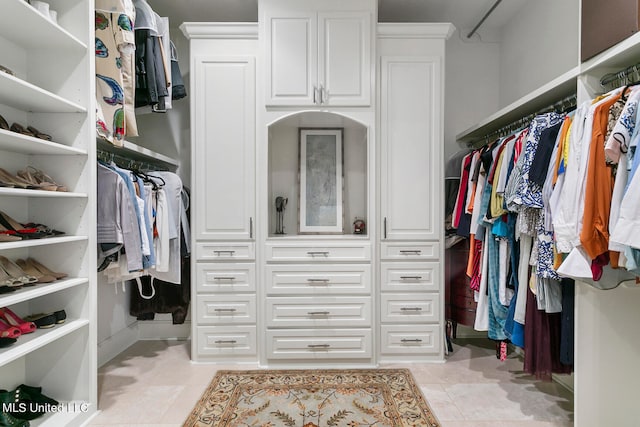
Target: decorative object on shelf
(281, 204)
(321, 181)
(359, 226)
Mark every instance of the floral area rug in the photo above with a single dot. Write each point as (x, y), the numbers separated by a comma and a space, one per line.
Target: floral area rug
(313, 398)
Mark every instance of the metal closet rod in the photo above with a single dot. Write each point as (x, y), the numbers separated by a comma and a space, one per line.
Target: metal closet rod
(620, 76)
(561, 105)
(129, 163)
(484, 18)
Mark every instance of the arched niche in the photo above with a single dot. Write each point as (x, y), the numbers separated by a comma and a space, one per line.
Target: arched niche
(284, 170)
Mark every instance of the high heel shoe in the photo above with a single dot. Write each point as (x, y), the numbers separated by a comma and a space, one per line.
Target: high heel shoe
(18, 128)
(8, 180)
(39, 134)
(30, 269)
(3, 123)
(8, 235)
(44, 270)
(13, 319)
(16, 272)
(19, 229)
(9, 281)
(8, 331)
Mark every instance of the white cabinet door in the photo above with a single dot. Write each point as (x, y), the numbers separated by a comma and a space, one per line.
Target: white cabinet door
(318, 58)
(224, 151)
(410, 148)
(344, 58)
(292, 59)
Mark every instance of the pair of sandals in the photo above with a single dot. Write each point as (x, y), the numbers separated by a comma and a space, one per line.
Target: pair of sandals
(30, 178)
(11, 230)
(29, 130)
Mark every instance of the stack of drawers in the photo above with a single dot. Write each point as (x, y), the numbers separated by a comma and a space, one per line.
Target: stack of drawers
(410, 301)
(225, 302)
(318, 304)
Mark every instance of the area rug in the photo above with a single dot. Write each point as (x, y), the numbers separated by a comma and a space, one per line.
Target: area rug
(313, 398)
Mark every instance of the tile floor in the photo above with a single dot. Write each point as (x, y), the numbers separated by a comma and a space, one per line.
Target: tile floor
(153, 383)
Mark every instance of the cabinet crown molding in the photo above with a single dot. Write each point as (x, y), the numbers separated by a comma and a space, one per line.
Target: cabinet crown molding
(220, 30)
(415, 30)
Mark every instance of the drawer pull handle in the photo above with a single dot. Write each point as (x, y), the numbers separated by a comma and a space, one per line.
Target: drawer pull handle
(319, 313)
(319, 345)
(407, 340)
(228, 252)
(230, 278)
(410, 309)
(225, 342)
(314, 253)
(410, 277)
(225, 310)
(410, 251)
(318, 281)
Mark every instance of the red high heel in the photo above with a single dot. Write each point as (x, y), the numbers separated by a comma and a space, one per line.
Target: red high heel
(14, 320)
(8, 331)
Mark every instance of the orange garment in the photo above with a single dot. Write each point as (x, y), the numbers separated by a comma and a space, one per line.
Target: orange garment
(472, 238)
(594, 236)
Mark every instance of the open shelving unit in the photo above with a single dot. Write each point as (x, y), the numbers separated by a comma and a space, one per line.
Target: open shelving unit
(57, 98)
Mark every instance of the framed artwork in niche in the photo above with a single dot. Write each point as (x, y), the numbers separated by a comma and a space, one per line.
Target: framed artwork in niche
(320, 179)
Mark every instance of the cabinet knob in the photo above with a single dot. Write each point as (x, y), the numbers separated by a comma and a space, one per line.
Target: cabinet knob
(221, 252)
(410, 309)
(314, 253)
(410, 251)
(229, 278)
(412, 340)
(225, 342)
(225, 310)
(318, 281)
(319, 313)
(410, 277)
(319, 345)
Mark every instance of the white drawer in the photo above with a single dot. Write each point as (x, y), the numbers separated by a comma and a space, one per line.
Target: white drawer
(226, 341)
(313, 312)
(410, 339)
(226, 309)
(410, 276)
(409, 251)
(225, 251)
(318, 279)
(410, 308)
(225, 277)
(319, 344)
(330, 252)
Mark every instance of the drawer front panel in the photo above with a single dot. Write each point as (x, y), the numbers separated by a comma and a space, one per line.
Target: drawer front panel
(410, 251)
(225, 251)
(226, 341)
(410, 308)
(410, 276)
(230, 278)
(316, 253)
(319, 344)
(226, 309)
(311, 312)
(410, 339)
(318, 279)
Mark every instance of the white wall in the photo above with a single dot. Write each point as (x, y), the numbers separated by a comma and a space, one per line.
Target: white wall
(538, 44)
(472, 75)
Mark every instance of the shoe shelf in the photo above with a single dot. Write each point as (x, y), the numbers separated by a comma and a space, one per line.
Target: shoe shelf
(39, 290)
(30, 243)
(18, 15)
(19, 192)
(28, 343)
(24, 144)
(64, 418)
(29, 97)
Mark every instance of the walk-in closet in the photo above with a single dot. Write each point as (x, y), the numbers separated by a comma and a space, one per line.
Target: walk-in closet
(218, 213)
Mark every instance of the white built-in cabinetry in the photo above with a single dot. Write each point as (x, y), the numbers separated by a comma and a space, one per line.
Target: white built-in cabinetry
(56, 97)
(312, 299)
(223, 106)
(318, 54)
(411, 61)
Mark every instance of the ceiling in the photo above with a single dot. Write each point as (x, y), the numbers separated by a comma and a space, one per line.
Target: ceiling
(464, 14)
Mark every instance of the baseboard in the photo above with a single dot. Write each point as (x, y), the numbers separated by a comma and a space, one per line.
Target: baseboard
(163, 330)
(117, 343)
(565, 380)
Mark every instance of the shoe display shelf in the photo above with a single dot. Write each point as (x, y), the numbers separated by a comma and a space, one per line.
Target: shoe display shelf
(51, 88)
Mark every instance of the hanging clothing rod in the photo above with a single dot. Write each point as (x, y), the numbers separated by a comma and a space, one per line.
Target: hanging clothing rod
(129, 163)
(559, 106)
(622, 77)
(484, 18)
